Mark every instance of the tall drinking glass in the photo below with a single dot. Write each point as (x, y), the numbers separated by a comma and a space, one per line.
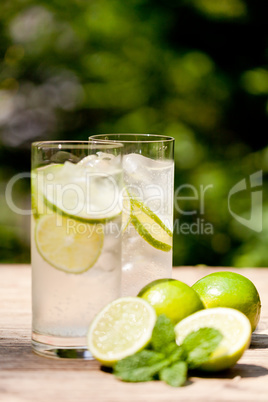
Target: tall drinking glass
(148, 165)
(76, 245)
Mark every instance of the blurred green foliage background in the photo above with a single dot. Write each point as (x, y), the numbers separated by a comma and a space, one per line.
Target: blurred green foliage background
(192, 69)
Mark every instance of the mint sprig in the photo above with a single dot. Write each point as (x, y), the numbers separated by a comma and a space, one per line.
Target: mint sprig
(140, 367)
(174, 375)
(163, 333)
(199, 346)
(164, 360)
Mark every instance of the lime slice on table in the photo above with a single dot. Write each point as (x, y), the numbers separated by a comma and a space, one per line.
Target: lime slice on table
(67, 244)
(39, 176)
(149, 226)
(83, 194)
(233, 325)
(122, 328)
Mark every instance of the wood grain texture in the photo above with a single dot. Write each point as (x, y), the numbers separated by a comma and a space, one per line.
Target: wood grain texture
(25, 376)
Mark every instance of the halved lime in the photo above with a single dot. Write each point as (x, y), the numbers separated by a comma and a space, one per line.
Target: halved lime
(67, 244)
(233, 325)
(122, 328)
(149, 226)
(39, 177)
(83, 193)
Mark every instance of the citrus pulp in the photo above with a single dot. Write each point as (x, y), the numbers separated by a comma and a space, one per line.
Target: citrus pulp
(68, 245)
(120, 329)
(233, 325)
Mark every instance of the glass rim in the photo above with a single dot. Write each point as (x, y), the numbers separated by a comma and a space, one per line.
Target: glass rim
(78, 144)
(152, 138)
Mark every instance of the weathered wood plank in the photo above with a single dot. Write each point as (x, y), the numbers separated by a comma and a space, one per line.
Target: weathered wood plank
(25, 376)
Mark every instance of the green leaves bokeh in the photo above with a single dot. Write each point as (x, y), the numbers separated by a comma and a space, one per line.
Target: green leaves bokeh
(194, 69)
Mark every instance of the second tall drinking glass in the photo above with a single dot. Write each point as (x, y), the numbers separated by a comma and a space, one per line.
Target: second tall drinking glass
(148, 167)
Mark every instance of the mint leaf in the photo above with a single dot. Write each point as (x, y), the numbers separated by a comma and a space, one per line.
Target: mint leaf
(174, 353)
(200, 344)
(174, 375)
(139, 374)
(163, 333)
(165, 360)
(141, 366)
(147, 364)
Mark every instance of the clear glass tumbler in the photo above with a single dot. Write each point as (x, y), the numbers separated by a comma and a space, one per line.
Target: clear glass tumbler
(147, 227)
(76, 244)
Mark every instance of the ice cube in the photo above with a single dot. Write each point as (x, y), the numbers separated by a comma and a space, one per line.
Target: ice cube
(151, 177)
(101, 161)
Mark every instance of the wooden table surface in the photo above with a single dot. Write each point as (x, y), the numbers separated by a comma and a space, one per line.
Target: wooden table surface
(25, 376)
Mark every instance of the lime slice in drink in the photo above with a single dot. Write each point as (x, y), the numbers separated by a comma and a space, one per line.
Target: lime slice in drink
(39, 177)
(150, 226)
(233, 325)
(68, 245)
(84, 193)
(126, 210)
(122, 328)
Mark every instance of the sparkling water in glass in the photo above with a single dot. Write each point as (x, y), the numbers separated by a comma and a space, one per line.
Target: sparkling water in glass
(148, 165)
(76, 242)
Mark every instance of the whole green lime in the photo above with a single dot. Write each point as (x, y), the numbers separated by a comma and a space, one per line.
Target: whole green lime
(171, 297)
(229, 289)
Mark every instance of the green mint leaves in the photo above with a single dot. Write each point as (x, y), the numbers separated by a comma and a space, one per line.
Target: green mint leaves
(200, 344)
(140, 367)
(163, 333)
(164, 360)
(175, 375)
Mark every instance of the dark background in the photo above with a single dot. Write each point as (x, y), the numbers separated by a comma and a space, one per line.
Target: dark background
(196, 70)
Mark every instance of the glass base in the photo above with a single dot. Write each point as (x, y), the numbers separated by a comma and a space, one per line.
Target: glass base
(60, 347)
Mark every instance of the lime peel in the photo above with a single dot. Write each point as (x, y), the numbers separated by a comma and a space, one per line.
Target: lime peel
(230, 289)
(141, 206)
(39, 207)
(171, 297)
(86, 220)
(150, 227)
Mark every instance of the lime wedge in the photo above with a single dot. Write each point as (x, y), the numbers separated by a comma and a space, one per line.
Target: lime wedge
(150, 227)
(80, 192)
(39, 176)
(233, 325)
(68, 245)
(122, 328)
